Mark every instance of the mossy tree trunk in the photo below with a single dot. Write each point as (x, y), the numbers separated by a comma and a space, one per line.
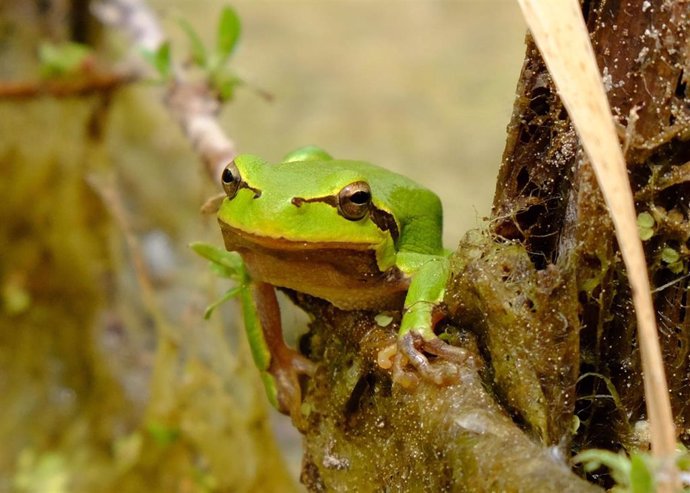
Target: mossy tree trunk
(548, 201)
(541, 299)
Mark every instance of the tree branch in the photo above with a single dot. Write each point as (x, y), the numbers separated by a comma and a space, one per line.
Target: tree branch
(193, 105)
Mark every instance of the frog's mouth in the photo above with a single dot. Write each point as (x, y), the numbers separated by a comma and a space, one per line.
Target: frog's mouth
(346, 274)
(237, 240)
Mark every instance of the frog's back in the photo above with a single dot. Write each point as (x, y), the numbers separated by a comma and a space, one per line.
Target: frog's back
(416, 209)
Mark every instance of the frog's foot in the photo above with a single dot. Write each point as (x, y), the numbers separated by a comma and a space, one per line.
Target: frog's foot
(286, 370)
(411, 348)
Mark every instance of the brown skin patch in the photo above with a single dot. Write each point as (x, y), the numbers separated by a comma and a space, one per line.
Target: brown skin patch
(344, 274)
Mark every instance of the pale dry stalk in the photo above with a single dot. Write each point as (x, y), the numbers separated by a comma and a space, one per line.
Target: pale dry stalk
(560, 33)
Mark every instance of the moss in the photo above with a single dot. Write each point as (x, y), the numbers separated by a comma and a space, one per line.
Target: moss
(527, 326)
(363, 433)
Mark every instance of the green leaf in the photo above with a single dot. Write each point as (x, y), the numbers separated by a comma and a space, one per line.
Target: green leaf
(645, 225)
(645, 220)
(199, 54)
(224, 263)
(229, 294)
(593, 459)
(161, 60)
(641, 477)
(63, 58)
(229, 28)
(670, 255)
(226, 87)
(646, 233)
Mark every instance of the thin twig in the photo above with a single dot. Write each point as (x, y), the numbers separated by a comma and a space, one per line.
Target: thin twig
(193, 105)
(94, 83)
(561, 35)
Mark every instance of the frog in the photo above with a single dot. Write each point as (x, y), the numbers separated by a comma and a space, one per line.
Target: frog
(349, 232)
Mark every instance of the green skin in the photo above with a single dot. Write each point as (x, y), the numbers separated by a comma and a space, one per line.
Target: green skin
(293, 230)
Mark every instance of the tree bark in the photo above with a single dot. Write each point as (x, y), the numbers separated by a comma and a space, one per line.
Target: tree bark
(541, 299)
(547, 199)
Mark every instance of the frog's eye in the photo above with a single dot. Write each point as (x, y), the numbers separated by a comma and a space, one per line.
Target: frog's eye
(231, 180)
(354, 201)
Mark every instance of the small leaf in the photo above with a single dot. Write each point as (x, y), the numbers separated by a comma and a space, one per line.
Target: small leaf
(63, 58)
(230, 260)
(223, 263)
(383, 319)
(593, 459)
(641, 477)
(226, 87)
(229, 28)
(223, 271)
(670, 255)
(645, 225)
(160, 59)
(229, 294)
(645, 233)
(199, 55)
(645, 220)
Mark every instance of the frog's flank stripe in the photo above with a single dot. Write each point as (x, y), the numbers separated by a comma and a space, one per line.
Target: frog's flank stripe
(385, 222)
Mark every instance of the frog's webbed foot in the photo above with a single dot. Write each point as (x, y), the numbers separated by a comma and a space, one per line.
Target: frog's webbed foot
(286, 370)
(411, 348)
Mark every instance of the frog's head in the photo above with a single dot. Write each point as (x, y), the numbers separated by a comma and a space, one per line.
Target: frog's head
(309, 200)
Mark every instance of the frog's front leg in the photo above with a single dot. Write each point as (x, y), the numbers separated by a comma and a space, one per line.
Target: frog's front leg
(279, 364)
(416, 336)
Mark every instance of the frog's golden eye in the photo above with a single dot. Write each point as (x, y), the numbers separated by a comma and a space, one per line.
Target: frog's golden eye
(354, 201)
(231, 180)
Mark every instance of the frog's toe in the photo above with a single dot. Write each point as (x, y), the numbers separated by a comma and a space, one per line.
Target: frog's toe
(302, 365)
(401, 376)
(442, 349)
(412, 346)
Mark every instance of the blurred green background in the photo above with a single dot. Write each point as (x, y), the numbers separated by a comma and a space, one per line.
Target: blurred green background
(106, 394)
(423, 87)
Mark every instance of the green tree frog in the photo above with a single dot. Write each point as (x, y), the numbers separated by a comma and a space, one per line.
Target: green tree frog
(354, 234)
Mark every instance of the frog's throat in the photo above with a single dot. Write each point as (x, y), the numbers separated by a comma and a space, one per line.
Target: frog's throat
(343, 273)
